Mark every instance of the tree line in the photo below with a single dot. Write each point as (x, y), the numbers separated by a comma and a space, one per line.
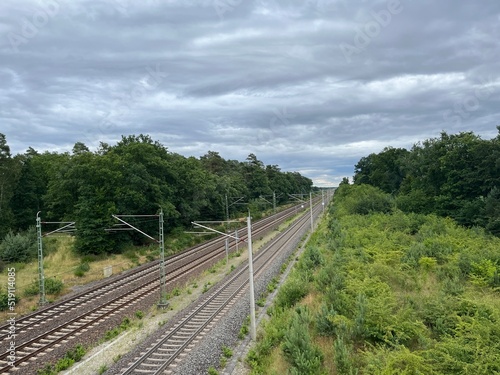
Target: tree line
(455, 176)
(137, 175)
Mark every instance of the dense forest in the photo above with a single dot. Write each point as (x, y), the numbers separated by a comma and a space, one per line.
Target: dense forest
(135, 176)
(455, 176)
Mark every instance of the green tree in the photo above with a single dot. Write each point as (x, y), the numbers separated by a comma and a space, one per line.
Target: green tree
(491, 211)
(27, 198)
(10, 169)
(255, 177)
(384, 170)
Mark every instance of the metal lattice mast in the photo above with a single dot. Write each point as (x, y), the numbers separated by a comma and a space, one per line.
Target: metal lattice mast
(163, 278)
(274, 201)
(41, 276)
(311, 205)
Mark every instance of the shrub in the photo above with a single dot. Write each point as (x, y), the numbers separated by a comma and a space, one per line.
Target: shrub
(227, 352)
(4, 300)
(483, 272)
(20, 247)
(312, 258)
(81, 269)
(243, 331)
(343, 358)
(32, 289)
(131, 255)
(363, 200)
(427, 263)
(324, 321)
(291, 292)
(77, 353)
(53, 286)
(298, 348)
(206, 287)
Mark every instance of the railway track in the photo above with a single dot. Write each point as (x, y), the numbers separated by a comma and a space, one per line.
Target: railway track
(167, 349)
(36, 333)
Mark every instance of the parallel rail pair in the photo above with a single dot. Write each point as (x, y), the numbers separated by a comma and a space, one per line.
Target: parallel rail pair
(35, 333)
(167, 349)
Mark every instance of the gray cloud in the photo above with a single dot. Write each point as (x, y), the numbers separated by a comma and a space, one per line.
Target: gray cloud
(268, 77)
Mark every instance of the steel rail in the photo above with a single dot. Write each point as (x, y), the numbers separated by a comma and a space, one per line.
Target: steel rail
(144, 291)
(229, 290)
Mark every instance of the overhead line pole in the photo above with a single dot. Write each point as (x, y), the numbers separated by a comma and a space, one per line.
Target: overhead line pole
(323, 199)
(163, 279)
(41, 276)
(274, 202)
(311, 205)
(67, 228)
(163, 303)
(250, 278)
(250, 267)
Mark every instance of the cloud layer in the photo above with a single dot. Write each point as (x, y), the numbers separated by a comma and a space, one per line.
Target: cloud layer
(309, 85)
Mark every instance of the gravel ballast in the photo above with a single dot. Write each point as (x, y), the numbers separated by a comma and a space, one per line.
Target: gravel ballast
(208, 351)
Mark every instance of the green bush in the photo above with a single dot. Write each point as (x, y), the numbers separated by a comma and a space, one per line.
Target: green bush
(311, 259)
(64, 363)
(4, 300)
(344, 363)
(77, 353)
(32, 289)
(427, 263)
(20, 247)
(227, 352)
(81, 269)
(291, 292)
(483, 272)
(298, 348)
(131, 254)
(52, 286)
(324, 321)
(363, 200)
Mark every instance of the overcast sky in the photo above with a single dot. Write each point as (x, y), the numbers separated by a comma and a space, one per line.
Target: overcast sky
(310, 85)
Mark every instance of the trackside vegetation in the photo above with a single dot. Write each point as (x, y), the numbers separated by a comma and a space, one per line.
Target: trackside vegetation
(455, 175)
(379, 291)
(137, 175)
